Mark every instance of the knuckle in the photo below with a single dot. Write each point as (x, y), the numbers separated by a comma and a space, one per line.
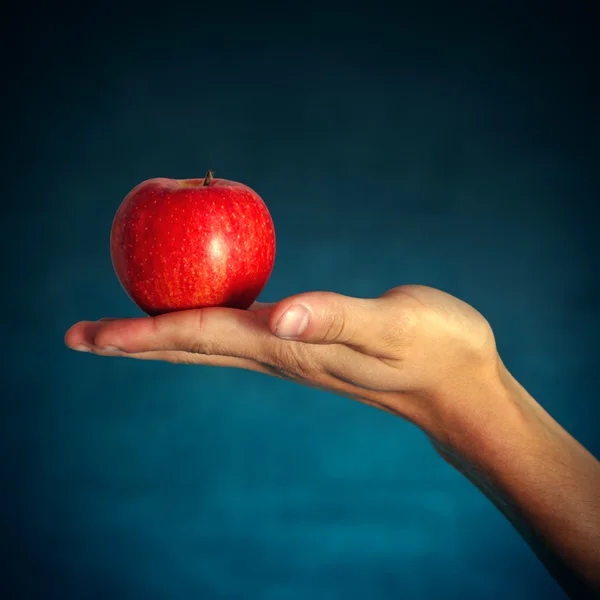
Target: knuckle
(193, 338)
(293, 360)
(406, 321)
(336, 327)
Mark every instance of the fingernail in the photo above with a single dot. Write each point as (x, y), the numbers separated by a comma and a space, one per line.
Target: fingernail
(293, 322)
(82, 348)
(110, 349)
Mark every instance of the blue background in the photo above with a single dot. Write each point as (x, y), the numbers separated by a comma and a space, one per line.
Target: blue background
(414, 145)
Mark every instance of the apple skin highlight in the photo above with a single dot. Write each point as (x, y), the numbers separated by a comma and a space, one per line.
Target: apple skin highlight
(193, 243)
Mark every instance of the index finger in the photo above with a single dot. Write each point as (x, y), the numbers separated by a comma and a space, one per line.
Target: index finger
(219, 331)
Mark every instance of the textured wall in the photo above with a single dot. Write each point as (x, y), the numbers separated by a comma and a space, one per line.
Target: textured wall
(457, 150)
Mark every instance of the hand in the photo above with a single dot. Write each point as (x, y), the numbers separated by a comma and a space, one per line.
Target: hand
(421, 354)
(400, 352)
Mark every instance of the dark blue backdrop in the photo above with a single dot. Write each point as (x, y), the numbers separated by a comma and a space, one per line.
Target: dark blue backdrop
(454, 149)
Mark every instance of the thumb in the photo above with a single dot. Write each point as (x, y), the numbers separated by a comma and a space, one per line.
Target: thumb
(329, 318)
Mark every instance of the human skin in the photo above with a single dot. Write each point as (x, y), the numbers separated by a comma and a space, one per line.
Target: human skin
(422, 355)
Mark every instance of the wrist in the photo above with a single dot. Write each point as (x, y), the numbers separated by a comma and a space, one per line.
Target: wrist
(536, 473)
(486, 405)
(498, 421)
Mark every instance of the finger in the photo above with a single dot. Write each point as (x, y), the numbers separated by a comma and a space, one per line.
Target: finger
(189, 358)
(371, 326)
(214, 331)
(81, 335)
(262, 311)
(254, 307)
(261, 305)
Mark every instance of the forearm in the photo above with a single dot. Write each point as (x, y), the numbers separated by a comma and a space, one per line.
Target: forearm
(539, 476)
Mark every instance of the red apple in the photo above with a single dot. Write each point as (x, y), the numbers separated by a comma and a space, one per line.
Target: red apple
(192, 243)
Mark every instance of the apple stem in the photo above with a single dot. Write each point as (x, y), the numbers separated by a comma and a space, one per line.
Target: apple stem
(209, 177)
